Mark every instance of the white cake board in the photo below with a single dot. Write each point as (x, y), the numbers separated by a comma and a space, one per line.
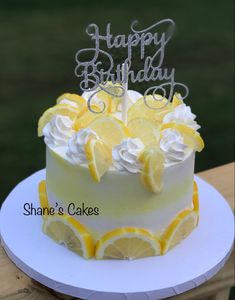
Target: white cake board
(192, 262)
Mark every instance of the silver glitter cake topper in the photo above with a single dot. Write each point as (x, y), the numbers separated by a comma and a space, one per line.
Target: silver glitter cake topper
(95, 73)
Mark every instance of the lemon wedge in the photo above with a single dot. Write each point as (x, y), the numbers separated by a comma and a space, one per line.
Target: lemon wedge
(127, 243)
(152, 108)
(59, 109)
(190, 136)
(153, 167)
(144, 129)
(178, 229)
(70, 232)
(99, 158)
(111, 130)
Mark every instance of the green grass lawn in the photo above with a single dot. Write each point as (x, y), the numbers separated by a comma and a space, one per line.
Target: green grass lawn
(39, 40)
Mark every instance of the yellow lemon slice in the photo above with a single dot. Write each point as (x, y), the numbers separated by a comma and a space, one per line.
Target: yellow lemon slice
(101, 99)
(144, 129)
(99, 158)
(191, 137)
(43, 196)
(90, 115)
(195, 198)
(74, 98)
(153, 167)
(127, 243)
(71, 233)
(114, 89)
(177, 100)
(111, 130)
(155, 109)
(179, 229)
(106, 99)
(59, 109)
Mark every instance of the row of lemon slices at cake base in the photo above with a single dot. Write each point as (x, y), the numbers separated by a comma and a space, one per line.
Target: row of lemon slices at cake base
(143, 123)
(121, 243)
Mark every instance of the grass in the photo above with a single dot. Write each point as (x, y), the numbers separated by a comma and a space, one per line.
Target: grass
(39, 40)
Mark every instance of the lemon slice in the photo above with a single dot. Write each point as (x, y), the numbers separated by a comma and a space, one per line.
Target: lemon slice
(111, 130)
(177, 100)
(43, 197)
(153, 167)
(101, 99)
(195, 197)
(90, 115)
(99, 158)
(115, 90)
(196, 200)
(191, 137)
(179, 229)
(105, 101)
(68, 231)
(147, 130)
(79, 101)
(127, 243)
(59, 109)
(155, 109)
(108, 96)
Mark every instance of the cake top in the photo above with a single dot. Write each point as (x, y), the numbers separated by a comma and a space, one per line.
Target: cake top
(151, 139)
(111, 127)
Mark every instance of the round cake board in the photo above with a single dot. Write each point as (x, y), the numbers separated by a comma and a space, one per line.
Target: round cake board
(192, 262)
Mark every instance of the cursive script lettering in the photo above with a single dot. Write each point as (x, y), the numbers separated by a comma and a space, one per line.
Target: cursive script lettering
(96, 71)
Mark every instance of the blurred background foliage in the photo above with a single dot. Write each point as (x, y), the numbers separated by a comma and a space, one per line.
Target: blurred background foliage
(39, 40)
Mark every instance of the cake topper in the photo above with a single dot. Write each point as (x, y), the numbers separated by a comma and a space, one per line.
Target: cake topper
(95, 73)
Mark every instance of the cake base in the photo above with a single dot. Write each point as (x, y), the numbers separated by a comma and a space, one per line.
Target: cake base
(192, 262)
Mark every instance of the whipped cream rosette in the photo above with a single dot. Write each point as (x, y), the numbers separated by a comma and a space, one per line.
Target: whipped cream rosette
(182, 115)
(58, 131)
(76, 145)
(126, 154)
(172, 145)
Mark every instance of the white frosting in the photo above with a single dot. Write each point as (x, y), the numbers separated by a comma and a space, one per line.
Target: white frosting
(125, 155)
(172, 146)
(76, 144)
(68, 102)
(182, 114)
(58, 131)
(134, 96)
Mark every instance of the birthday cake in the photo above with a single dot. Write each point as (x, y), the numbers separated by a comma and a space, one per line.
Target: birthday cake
(119, 191)
(119, 164)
